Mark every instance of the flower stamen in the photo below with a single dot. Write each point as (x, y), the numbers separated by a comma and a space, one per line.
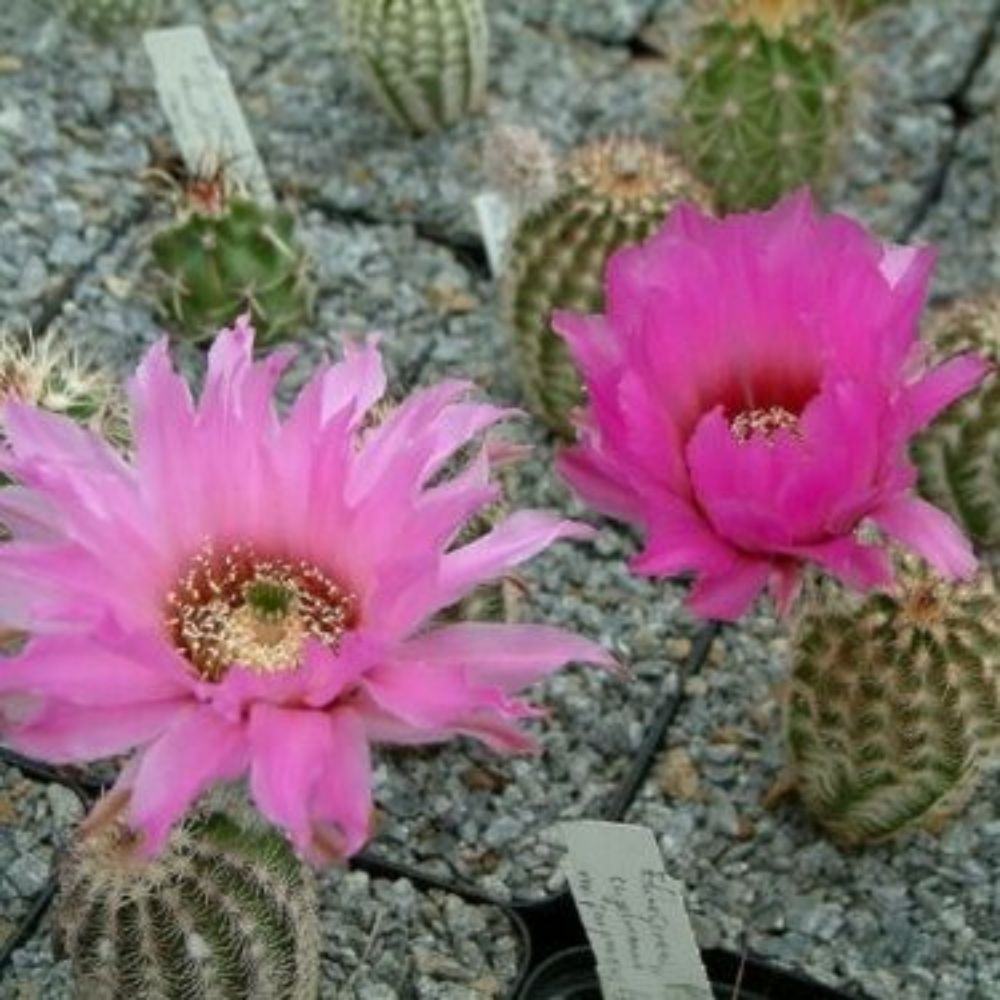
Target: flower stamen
(764, 424)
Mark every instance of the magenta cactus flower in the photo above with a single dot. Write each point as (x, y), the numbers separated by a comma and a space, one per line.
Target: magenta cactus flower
(752, 389)
(252, 595)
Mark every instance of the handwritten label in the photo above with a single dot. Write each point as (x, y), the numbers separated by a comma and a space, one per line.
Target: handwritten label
(633, 913)
(201, 106)
(496, 219)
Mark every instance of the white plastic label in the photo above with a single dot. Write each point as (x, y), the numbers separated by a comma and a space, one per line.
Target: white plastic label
(633, 913)
(496, 217)
(201, 106)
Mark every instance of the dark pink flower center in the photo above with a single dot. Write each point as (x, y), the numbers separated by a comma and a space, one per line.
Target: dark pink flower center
(237, 608)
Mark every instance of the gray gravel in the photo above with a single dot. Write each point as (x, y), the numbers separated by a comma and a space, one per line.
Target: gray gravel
(389, 221)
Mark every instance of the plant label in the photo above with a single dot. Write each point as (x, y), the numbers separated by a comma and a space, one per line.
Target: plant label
(199, 101)
(633, 913)
(496, 218)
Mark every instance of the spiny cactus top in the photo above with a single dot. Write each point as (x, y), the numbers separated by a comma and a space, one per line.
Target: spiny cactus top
(609, 194)
(959, 454)
(752, 387)
(894, 702)
(764, 101)
(226, 910)
(425, 61)
(252, 594)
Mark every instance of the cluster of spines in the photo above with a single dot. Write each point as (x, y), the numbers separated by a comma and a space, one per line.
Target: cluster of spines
(959, 454)
(227, 911)
(764, 103)
(893, 707)
(608, 195)
(425, 61)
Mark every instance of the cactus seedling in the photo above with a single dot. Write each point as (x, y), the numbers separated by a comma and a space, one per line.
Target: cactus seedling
(959, 454)
(424, 61)
(894, 703)
(228, 254)
(764, 101)
(608, 194)
(226, 910)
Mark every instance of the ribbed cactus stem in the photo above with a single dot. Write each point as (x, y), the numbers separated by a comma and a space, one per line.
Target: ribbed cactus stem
(959, 454)
(608, 195)
(227, 912)
(764, 104)
(424, 61)
(893, 708)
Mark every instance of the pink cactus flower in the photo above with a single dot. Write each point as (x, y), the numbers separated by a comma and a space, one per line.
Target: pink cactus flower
(752, 389)
(251, 595)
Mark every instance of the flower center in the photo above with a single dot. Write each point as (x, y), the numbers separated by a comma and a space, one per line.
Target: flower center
(764, 424)
(239, 609)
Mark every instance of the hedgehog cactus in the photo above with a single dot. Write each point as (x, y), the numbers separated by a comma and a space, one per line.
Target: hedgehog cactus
(959, 454)
(226, 911)
(105, 17)
(226, 255)
(894, 703)
(764, 101)
(608, 194)
(425, 61)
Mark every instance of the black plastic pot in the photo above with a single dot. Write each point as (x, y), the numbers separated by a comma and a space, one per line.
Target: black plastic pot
(572, 975)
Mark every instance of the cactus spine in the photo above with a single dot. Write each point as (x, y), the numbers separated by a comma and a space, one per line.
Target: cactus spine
(425, 61)
(227, 911)
(765, 101)
(228, 254)
(959, 454)
(608, 194)
(894, 703)
(105, 17)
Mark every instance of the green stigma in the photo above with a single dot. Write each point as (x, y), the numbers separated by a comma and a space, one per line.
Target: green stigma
(268, 598)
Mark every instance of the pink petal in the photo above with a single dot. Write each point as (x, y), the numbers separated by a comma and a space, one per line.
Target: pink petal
(727, 596)
(941, 386)
(930, 532)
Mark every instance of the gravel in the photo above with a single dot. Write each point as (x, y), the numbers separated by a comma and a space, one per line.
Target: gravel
(389, 222)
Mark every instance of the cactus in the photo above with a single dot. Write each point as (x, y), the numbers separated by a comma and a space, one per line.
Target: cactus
(609, 194)
(425, 61)
(959, 454)
(104, 17)
(50, 374)
(226, 911)
(228, 254)
(893, 707)
(764, 102)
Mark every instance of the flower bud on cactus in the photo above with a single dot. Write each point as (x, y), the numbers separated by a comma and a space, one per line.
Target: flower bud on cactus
(425, 61)
(609, 194)
(764, 102)
(50, 374)
(959, 454)
(894, 703)
(227, 255)
(227, 910)
(105, 17)
(520, 165)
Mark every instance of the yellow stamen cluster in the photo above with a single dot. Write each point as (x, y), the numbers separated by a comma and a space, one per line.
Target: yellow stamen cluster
(764, 423)
(774, 17)
(236, 608)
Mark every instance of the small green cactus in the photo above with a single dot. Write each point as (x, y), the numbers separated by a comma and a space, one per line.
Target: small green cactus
(893, 707)
(764, 103)
(608, 195)
(104, 17)
(228, 254)
(51, 375)
(226, 911)
(425, 61)
(959, 454)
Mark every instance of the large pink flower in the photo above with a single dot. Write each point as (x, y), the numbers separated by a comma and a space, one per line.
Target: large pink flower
(251, 594)
(752, 390)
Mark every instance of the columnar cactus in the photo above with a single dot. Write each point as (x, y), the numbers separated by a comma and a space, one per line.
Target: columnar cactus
(228, 254)
(959, 454)
(50, 374)
(894, 703)
(104, 17)
(425, 61)
(608, 194)
(226, 911)
(764, 102)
